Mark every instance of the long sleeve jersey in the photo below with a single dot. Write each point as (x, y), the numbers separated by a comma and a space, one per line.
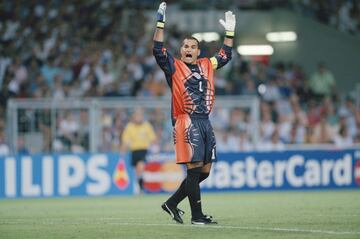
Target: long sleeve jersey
(192, 85)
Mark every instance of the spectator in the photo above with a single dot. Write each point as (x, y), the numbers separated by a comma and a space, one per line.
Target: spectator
(297, 133)
(20, 74)
(347, 22)
(21, 148)
(267, 126)
(343, 139)
(323, 132)
(272, 91)
(104, 75)
(322, 82)
(228, 141)
(4, 148)
(273, 144)
(244, 142)
(68, 128)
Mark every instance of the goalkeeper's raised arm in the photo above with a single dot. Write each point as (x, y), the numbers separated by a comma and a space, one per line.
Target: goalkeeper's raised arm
(162, 56)
(224, 55)
(229, 25)
(160, 23)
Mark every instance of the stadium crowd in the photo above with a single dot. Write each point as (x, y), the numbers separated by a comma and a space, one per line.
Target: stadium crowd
(65, 49)
(341, 14)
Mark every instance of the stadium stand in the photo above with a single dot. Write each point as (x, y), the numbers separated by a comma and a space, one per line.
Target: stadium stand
(65, 50)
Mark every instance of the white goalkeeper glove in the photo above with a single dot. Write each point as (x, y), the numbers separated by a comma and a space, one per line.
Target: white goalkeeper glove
(161, 15)
(229, 24)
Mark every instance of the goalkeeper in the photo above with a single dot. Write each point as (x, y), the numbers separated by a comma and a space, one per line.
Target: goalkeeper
(193, 93)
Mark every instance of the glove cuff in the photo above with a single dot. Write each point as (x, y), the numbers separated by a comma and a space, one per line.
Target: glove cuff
(229, 34)
(160, 24)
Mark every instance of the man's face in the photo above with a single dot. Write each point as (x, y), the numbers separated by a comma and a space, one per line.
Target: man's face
(189, 51)
(138, 116)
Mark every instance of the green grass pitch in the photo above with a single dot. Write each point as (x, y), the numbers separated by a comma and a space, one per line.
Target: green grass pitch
(302, 214)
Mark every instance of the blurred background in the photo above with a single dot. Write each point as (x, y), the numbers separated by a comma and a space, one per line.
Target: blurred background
(71, 73)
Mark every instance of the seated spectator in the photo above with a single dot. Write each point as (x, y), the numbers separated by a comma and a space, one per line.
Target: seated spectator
(343, 139)
(273, 144)
(244, 142)
(4, 148)
(323, 132)
(322, 82)
(68, 127)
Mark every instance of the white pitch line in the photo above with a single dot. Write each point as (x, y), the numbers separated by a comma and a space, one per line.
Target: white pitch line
(276, 229)
(340, 215)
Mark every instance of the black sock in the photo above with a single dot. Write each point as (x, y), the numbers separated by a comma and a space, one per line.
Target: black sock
(141, 183)
(180, 194)
(192, 189)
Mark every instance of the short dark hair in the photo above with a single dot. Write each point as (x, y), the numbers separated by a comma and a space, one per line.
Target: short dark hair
(192, 38)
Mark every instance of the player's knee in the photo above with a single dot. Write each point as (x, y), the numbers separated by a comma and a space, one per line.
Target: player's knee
(206, 168)
(203, 176)
(194, 172)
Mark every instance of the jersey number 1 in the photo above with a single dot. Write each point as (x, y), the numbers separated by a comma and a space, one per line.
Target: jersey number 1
(200, 86)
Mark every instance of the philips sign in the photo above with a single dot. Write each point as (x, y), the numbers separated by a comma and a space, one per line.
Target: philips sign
(285, 170)
(64, 175)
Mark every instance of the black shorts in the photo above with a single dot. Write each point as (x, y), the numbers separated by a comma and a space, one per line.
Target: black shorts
(194, 140)
(138, 156)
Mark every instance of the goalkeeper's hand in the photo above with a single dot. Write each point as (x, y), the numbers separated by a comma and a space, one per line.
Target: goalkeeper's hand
(229, 23)
(161, 15)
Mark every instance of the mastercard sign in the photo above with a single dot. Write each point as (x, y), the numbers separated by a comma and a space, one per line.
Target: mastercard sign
(357, 172)
(162, 176)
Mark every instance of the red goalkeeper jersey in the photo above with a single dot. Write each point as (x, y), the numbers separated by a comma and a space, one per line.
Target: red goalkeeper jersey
(192, 86)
